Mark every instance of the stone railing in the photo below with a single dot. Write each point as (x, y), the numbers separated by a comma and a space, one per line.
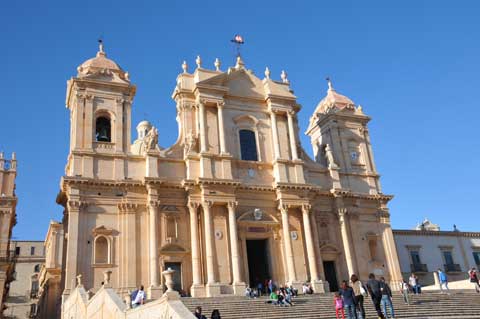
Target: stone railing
(107, 304)
(452, 268)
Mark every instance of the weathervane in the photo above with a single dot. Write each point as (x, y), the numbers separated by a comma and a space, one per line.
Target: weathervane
(238, 40)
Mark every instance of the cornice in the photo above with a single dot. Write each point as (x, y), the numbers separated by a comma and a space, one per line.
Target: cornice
(435, 233)
(74, 180)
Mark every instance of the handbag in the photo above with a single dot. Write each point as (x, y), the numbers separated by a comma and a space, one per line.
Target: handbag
(363, 291)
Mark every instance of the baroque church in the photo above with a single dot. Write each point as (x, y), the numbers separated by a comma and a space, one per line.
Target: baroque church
(236, 200)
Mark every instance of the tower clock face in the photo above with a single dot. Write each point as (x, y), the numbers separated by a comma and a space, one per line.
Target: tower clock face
(354, 156)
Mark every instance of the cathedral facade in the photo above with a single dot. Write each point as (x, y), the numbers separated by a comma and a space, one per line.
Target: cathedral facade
(235, 201)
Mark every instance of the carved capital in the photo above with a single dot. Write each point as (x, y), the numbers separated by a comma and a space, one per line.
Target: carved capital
(120, 100)
(80, 96)
(291, 113)
(342, 212)
(193, 204)
(126, 206)
(207, 203)
(283, 208)
(232, 204)
(306, 208)
(220, 104)
(89, 97)
(154, 203)
(76, 204)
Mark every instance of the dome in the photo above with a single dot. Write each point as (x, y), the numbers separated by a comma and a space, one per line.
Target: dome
(100, 64)
(334, 100)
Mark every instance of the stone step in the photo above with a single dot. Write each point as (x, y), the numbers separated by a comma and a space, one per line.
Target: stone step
(432, 305)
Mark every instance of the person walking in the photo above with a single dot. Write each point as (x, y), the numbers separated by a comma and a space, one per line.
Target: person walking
(473, 275)
(198, 313)
(413, 281)
(338, 302)
(373, 287)
(360, 294)
(215, 314)
(348, 297)
(405, 290)
(386, 298)
(443, 280)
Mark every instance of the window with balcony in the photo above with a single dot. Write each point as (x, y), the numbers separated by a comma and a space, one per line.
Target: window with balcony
(416, 265)
(476, 258)
(450, 265)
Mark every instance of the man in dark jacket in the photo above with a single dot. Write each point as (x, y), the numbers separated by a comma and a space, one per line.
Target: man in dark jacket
(373, 287)
(386, 298)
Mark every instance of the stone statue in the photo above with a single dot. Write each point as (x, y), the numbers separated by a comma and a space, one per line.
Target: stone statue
(190, 143)
(329, 155)
(151, 139)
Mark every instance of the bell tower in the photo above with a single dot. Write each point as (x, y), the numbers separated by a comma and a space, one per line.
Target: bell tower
(99, 99)
(340, 140)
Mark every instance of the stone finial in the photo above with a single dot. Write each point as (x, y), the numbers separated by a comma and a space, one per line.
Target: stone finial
(79, 280)
(101, 49)
(198, 61)
(217, 64)
(184, 66)
(360, 109)
(14, 156)
(1, 155)
(329, 81)
(283, 75)
(240, 63)
(267, 72)
(106, 278)
(127, 76)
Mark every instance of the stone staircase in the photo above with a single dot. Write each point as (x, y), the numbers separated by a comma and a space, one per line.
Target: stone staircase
(459, 304)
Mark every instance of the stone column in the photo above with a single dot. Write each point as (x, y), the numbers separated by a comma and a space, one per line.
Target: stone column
(287, 242)
(317, 284)
(390, 250)
(221, 129)
(238, 285)
(152, 241)
(72, 246)
(203, 133)
(291, 132)
(312, 263)
(213, 288)
(276, 146)
(196, 272)
(347, 241)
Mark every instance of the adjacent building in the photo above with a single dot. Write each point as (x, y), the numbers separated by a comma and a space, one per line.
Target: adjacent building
(426, 249)
(234, 201)
(8, 203)
(22, 296)
(50, 279)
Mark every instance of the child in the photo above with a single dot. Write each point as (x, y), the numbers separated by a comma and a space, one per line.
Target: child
(405, 290)
(338, 302)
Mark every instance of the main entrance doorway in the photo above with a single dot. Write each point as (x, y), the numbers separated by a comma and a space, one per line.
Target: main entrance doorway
(331, 274)
(177, 275)
(258, 261)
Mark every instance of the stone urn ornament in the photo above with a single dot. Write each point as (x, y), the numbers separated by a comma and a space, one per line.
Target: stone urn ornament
(168, 274)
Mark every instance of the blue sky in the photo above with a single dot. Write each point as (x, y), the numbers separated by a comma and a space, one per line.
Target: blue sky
(412, 65)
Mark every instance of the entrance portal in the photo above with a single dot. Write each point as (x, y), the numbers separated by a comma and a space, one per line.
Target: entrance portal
(177, 275)
(258, 261)
(331, 274)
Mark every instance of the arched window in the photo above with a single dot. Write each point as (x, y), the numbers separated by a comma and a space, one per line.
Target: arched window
(103, 130)
(248, 145)
(36, 268)
(101, 250)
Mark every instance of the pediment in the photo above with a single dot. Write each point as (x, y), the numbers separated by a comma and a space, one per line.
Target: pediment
(102, 230)
(239, 82)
